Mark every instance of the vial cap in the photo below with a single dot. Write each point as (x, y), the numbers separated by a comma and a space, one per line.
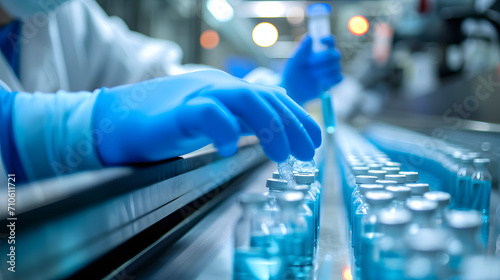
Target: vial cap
(428, 240)
(378, 197)
(391, 170)
(290, 198)
(474, 154)
(386, 183)
(388, 217)
(276, 184)
(276, 175)
(299, 188)
(382, 159)
(411, 176)
(442, 198)
(418, 188)
(466, 159)
(399, 178)
(304, 178)
(318, 9)
(421, 205)
(464, 219)
(375, 166)
(481, 162)
(399, 192)
(360, 170)
(364, 188)
(365, 179)
(253, 199)
(392, 164)
(380, 174)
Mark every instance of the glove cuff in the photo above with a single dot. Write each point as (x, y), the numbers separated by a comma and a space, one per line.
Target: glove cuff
(53, 133)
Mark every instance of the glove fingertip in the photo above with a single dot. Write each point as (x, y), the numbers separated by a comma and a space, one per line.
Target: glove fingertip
(227, 150)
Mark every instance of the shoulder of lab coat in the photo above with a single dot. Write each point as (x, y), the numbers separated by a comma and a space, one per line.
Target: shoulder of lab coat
(80, 47)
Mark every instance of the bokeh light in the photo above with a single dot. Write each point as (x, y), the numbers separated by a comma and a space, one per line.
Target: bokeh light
(346, 273)
(209, 39)
(265, 34)
(358, 25)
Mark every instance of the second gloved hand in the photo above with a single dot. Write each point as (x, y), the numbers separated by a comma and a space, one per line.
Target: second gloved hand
(170, 116)
(308, 74)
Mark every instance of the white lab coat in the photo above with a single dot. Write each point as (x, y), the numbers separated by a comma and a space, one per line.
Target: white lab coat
(76, 48)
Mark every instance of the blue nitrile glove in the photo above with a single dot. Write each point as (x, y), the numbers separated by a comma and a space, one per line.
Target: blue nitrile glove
(308, 74)
(170, 116)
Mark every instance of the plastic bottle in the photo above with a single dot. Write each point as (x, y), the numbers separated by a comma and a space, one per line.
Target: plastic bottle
(370, 233)
(443, 201)
(297, 241)
(360, 212)
(258, 248)
(401, 194)
(465, 241)
(463, 184)
(393, 250)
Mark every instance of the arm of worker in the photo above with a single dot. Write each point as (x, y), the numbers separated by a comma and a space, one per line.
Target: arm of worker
(307, 74)
(54, 134)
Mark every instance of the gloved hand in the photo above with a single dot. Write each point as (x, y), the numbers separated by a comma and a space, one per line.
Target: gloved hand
(170, 116)
(308, 74)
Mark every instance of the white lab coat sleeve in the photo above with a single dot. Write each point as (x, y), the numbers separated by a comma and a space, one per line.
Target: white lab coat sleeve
(53, 133)
(102, 51)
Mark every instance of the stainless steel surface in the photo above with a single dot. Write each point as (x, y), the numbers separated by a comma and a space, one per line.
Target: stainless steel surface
(64, 225)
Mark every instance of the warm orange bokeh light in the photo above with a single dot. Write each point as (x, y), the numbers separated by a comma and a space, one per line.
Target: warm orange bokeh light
(358, 25)
(209, 39)
(346, 273)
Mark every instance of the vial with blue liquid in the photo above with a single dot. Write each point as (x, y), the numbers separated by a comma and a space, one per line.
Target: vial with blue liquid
(443, 201)
(356, 197)
(298, 241)
(360, 212)
(481, 194)
(371, 234)
(310, 199)
(463, 184)
(393, 249)
(401, 194)
(258, 242)
(465, 240)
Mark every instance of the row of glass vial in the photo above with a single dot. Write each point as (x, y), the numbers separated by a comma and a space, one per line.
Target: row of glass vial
(463, 171)
(413, 239)
(276, 236)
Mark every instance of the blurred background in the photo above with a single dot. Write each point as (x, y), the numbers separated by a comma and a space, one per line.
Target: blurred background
(407, 56)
